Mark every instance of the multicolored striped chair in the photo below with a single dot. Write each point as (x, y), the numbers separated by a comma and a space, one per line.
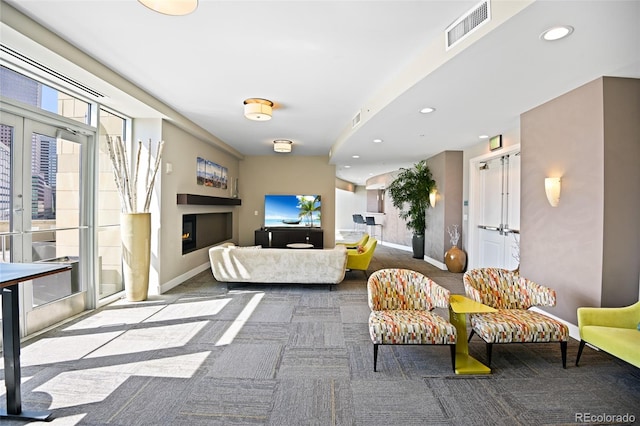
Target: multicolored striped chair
(512, 295)
(400, 302)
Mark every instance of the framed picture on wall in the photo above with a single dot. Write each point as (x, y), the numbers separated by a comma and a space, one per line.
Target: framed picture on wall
(495, 143)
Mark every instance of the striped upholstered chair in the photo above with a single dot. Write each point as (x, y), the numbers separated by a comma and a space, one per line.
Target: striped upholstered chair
(400, 302)
(512, 295)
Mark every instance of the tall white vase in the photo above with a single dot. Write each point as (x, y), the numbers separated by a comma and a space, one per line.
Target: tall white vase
(135, 229)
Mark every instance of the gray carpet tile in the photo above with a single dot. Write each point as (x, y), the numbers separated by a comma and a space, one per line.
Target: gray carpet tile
(247, 361)
(199, 355)
(312, 401)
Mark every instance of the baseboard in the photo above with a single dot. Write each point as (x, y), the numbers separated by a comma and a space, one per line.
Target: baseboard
(574, 331)
(435, 263)
(396, 246)
(182, 278)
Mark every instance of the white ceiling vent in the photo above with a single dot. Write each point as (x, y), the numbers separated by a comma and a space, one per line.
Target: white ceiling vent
(356, 120)
(44, 70)
(468, 23)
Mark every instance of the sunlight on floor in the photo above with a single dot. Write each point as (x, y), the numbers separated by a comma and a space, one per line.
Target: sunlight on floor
(239, 322)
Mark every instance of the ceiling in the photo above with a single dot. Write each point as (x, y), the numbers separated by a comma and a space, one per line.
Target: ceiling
(322, 62)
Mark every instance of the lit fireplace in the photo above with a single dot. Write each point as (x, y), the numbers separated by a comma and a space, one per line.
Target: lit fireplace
(188, 233)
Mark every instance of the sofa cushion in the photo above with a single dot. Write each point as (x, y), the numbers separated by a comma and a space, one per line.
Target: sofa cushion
(623, 343)
(516, 325)
(410, 327)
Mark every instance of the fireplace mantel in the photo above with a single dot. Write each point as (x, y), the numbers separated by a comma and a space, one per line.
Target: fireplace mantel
(206, 200)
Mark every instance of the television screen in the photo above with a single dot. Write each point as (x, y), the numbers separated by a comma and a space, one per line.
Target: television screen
(291, 211)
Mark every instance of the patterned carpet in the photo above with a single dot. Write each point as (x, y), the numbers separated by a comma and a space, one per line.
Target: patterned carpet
(204, 354)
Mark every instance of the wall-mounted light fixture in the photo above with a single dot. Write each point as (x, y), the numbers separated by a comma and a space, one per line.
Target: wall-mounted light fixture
(282, 145)
(258, 109)
(552, 188)
(432, 197)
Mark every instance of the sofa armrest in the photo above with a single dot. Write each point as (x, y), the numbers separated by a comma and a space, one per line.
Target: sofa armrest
(624, 317)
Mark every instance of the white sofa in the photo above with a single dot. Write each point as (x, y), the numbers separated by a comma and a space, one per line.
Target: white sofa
(230, 263)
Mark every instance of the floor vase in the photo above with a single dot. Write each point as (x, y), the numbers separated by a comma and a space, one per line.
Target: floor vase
(135, 229)
(455, 259)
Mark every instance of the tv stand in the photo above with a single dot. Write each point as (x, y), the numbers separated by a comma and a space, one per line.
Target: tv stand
(280, 237)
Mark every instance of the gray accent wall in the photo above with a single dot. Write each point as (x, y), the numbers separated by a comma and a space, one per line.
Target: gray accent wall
(588, 247)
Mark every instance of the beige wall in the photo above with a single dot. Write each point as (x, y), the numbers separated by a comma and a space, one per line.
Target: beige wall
(446, 169)
(284, 174)
(181, 150)
(589, 137)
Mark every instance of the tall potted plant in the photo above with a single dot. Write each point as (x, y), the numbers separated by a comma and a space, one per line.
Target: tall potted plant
(135, 223)
(409, 193)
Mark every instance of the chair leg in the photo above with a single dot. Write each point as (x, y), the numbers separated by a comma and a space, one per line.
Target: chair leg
(471, 335)
(375, 356)
(453, 356)
(563, 349)
(489, 347)
(580, 348)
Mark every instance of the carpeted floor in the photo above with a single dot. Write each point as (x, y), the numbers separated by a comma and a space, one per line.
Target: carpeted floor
(206, 354)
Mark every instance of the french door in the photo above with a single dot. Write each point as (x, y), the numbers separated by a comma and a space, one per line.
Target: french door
(495, 220)
(43, 215)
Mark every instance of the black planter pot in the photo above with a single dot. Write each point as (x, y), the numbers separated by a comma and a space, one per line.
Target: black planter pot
(418, 246)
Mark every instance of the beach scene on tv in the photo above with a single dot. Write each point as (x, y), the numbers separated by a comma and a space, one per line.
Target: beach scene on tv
(292, 210)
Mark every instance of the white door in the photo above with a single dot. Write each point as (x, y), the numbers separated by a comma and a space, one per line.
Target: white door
(496, 218)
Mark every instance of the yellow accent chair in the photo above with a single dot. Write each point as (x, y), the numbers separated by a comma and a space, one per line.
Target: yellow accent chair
(401, 302)
(512, 295)
(614, 330)
(351, 245)
(360, 260)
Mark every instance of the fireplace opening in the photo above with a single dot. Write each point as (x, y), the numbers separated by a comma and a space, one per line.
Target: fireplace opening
(205, 229)
(188, 233)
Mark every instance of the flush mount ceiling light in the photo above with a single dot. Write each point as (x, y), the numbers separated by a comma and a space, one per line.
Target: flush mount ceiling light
(171, 7)
(427, 110)
(556, 33)
(258, 109)
(282, 145)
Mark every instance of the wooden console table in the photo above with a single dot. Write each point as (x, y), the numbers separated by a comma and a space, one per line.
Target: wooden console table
(11, 274)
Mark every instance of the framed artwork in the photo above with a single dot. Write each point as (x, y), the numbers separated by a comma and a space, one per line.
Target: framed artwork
(211, 174)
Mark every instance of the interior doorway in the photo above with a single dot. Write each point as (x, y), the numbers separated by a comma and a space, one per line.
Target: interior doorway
(494, 210)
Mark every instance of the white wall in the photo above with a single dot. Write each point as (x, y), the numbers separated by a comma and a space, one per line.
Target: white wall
(347, 204)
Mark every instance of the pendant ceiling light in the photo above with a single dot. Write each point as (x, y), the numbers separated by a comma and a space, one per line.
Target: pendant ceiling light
(171, 7)
(282, 145)
(258, 109)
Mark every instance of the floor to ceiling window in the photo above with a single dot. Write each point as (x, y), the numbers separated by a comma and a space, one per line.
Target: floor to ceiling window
(54, 175)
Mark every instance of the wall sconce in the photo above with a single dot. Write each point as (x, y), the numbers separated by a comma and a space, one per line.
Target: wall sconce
(432, 197)
(552, 188)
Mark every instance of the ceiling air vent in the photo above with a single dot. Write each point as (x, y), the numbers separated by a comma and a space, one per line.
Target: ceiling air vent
(468, 23)
(356, 120)
(50, 72)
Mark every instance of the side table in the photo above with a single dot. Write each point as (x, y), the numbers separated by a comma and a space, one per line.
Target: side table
(459, 307)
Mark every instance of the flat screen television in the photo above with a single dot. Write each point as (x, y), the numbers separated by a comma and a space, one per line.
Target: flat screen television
(292, 211)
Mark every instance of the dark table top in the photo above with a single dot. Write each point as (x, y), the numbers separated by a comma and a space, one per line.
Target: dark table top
(13, 273)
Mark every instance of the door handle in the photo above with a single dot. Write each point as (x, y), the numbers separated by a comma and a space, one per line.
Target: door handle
(489, 228)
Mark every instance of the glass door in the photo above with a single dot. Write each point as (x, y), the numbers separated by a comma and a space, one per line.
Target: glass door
(41, 215)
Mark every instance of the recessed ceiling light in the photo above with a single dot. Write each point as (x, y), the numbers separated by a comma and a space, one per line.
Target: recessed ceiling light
(347, 167)
(377, 141)
(484, 137)
(427, 110)
(355, 156)
(556, 33)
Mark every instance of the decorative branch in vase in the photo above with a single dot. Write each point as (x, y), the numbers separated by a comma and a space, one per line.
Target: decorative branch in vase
(135, 225)
(126, 181)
